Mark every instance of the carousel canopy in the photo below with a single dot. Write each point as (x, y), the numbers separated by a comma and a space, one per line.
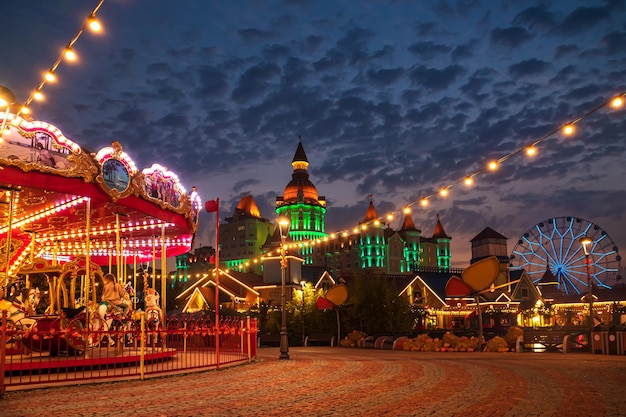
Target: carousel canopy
(56, 201)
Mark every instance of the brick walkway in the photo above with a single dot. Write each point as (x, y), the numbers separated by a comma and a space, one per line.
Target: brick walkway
(324, 381)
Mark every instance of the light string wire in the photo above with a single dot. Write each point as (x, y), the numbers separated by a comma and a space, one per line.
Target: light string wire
(90, 22)
(616, 101)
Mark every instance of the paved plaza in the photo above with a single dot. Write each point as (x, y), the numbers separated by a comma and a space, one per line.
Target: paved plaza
(322, 381)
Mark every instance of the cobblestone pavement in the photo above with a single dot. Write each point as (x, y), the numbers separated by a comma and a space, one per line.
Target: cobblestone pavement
(321, 381)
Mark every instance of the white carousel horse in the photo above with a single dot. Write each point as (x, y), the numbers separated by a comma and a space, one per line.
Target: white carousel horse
(23, 305)
(154, 315)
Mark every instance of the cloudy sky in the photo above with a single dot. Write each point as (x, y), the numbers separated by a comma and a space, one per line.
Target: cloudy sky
(392, 98)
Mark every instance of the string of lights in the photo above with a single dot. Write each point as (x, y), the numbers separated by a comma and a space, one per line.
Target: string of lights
(68, 54)
(530, 149)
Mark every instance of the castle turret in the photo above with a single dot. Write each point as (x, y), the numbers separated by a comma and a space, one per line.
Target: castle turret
(303, 206)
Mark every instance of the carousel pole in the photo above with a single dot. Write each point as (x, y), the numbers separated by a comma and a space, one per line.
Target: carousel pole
(154, 262)
(11, 192)
(88, 280)
(135, 278)
(163, 273)
(217, 284)
(117, 247)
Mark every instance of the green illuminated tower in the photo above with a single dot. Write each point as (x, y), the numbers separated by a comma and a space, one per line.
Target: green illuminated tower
(304, 207)
(411, 239)
(372, 244)
(443, 246)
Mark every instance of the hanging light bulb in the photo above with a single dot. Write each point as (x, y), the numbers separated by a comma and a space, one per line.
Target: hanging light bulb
(94, 24)
(617, 102)
(443, 192)
(468, 181)
(568, 129)
(37, 95)
(424, 202)
(50, 76)
(69, 54)
(493, 165)
(407, 210)
(25, 110)
(3, 102)
(531, 151)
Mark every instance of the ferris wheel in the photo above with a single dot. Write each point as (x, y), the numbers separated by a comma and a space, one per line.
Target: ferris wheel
(555, 244)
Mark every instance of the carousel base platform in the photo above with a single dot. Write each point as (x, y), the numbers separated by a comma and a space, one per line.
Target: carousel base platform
(96, 358)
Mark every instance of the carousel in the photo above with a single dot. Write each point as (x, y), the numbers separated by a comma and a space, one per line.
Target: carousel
(71, 218)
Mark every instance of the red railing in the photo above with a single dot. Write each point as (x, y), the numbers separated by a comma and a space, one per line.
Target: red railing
(56, 350)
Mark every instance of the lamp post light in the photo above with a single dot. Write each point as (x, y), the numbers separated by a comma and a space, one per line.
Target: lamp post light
(585, 242)
(283, 225)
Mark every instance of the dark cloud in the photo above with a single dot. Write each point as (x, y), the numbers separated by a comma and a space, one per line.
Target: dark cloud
(583, 18)
(211, 82)
(428, 50)
(511, 37)
(464, 50)
(255, 81)
(255, 35)
(536, 16)
(385, 77)
(615, 42)
(563, 50)
(436, 79)
(528, 67)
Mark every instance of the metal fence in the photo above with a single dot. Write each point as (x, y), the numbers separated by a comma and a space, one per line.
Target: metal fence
(52, 350)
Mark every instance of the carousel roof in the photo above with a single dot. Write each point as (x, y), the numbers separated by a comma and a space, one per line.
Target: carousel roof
(55, 198)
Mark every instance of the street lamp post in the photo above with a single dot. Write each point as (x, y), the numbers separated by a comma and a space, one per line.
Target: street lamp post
(283, 225)
(585, 242)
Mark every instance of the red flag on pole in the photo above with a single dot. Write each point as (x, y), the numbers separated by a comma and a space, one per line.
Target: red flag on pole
(211, 206)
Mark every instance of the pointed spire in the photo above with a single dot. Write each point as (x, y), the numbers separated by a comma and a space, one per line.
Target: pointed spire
(407, 224)
(439, 233)
(371, 213)
(300, 155)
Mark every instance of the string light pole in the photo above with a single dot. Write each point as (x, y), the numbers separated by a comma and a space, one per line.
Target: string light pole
(585, 242)
(283, 226)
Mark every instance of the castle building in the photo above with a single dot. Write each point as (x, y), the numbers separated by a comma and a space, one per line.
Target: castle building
(372, 246)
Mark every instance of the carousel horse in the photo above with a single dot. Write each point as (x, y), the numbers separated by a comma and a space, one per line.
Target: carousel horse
(154, 315)
(23, 306)
(103, 316)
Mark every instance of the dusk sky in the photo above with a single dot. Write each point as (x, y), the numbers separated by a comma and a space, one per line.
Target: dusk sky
(392, 98)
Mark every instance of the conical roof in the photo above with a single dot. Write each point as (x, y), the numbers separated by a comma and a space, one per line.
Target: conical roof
(371, 213)
(247, 207)
(439, 233)
(300, 188)
(407, 224)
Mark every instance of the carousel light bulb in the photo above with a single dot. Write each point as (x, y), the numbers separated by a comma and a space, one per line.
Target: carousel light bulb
(468, 181)
(493, 165)
(531, 151)
(568, 129)
(443, 192)
(38, 95)
(25, 110)
(617, 102)
(424, 202)
(3, 102)
(406, 210)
